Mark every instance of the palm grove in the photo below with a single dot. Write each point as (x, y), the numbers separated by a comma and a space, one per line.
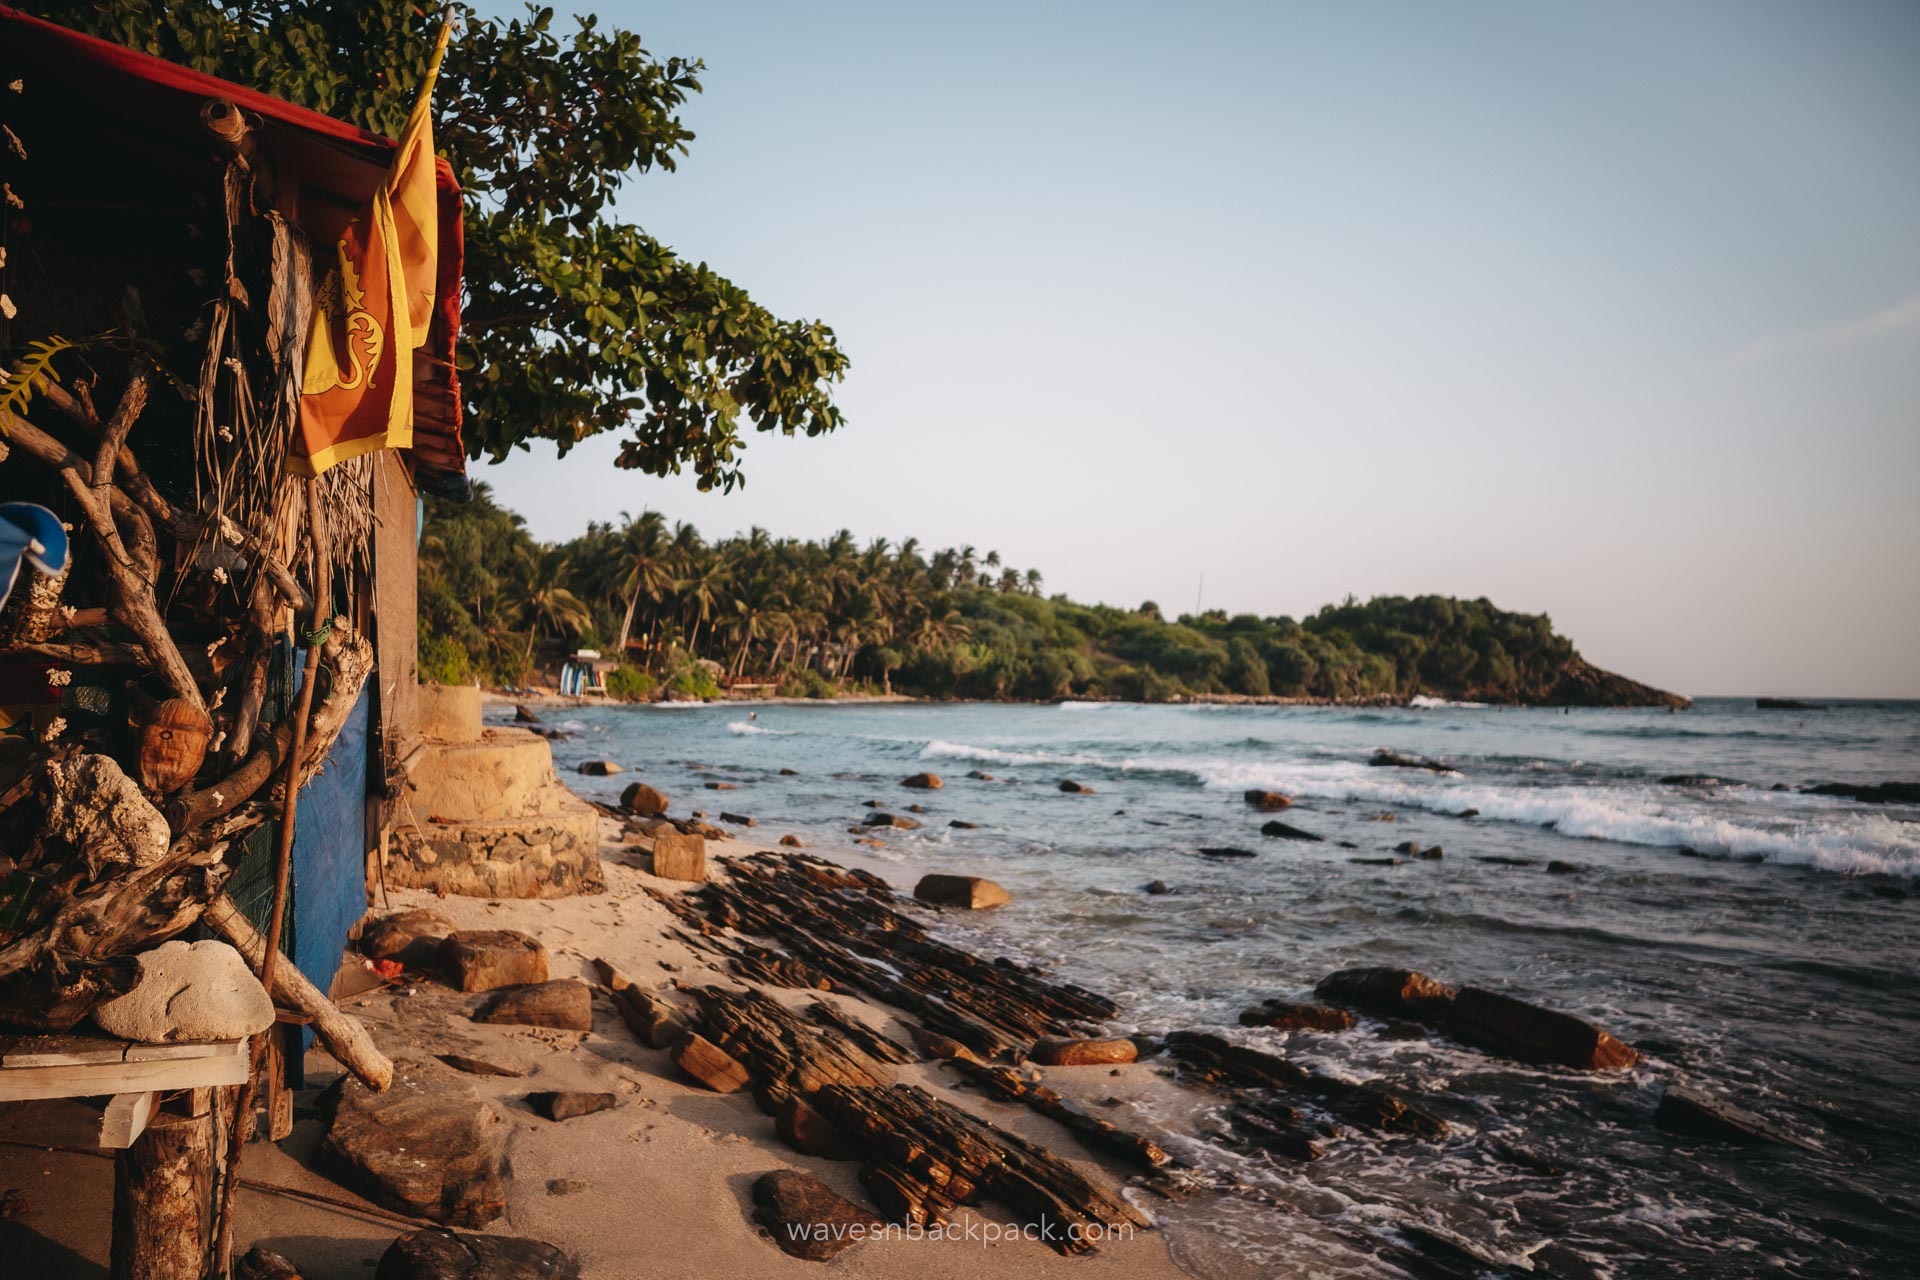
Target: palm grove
(814, 618)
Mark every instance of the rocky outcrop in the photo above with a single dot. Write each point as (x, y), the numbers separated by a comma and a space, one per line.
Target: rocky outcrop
(805, 1219)
(486, 959)
(426, 1146)
(415, 938)
(563, 1005)
(1697, 1114)
(438, 1254)
(969, 892)
(189, 991)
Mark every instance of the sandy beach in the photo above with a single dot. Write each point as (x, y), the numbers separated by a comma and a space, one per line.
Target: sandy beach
(659, 1185)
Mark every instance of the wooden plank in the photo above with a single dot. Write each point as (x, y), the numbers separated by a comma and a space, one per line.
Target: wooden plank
(126, 1118)
(61, 1050)
(79, 1080)
(279, 1095)
(185, 1049)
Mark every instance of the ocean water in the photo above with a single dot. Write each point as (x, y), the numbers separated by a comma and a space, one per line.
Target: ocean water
(1759, 943)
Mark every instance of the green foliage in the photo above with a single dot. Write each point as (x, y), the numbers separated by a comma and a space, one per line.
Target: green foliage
(574, 323)
(696, 681)
(630, 683)
(806, 683)
(444, 660)
(816, 618)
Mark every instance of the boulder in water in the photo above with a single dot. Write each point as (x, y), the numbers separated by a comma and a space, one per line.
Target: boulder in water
(1697, 1114)
(1386, 758)
(923, 782)
(1073, 788)
(1290, 1015)
(1281, 831)
(970, 892)
(1267, 801)
(643, 800)
(1526, 1032)
(600, 768)
(1388, 991)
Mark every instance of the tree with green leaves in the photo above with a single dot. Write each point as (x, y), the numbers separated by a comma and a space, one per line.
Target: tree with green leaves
(576, 323)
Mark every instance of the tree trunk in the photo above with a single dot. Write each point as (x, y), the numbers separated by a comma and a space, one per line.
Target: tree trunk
(626, 626)
(162, 1200)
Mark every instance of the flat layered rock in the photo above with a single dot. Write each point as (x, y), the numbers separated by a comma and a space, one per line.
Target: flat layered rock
(486, 959)
(563, 1004)
(1379, 989)
(1057, 1051)
(436, 1254)
(414, 938)
(565, 1104)
(711, 1065)
(969, 892)
(806, 1219)
(1515, 1029)
(426, 1146)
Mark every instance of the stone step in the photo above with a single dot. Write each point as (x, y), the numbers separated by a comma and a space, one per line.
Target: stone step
(549, 855)
(504, 773)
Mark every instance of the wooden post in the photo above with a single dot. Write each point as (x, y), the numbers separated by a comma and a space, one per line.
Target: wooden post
(162, 1200)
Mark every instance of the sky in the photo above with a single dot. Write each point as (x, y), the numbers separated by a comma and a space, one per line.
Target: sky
(1608, 311)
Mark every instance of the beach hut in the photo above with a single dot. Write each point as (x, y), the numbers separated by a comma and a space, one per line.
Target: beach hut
(231, 634)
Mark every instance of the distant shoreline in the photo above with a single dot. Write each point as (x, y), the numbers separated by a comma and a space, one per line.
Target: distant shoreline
(498, 697)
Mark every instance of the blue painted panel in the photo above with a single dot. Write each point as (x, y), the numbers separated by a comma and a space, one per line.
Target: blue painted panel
(329, 852)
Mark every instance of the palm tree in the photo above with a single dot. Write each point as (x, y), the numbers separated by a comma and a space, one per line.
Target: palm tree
(639, 566)
(539, 606)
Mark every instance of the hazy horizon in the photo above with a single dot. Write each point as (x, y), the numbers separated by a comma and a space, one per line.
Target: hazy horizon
(1611, 314)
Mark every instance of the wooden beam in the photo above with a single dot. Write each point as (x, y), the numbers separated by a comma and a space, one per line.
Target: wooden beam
(221, 1063)
(126, 1118)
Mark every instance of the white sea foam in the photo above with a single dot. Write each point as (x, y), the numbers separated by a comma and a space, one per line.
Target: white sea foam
(744, 727)
(941, 750)
(1846, 842)
(1085, 706)
(1424, 703)
(1833, 840)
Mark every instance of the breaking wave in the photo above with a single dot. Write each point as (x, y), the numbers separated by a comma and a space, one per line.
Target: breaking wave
(744, 727)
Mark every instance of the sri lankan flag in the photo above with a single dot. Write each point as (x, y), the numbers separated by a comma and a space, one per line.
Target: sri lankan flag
(374, 307)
